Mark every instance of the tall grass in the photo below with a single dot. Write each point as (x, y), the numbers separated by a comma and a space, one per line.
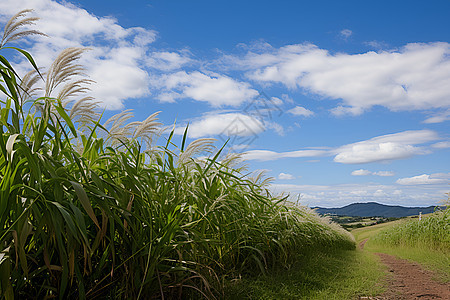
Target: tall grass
(91, 209)
(432, 232)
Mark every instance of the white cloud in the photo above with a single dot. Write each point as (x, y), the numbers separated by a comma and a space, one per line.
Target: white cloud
(114, 61)
(266, 155)
(413, 77)
(378, 149)
(441, 145)
(229, 124)
(384, 148)
(300, 111)
(361, 172)
(376, 44)
(276, 127)
(216, 89)
(286, 176)
(439, 117)
(438, 178)
(168, 61)
(384, 173)
(345, 33)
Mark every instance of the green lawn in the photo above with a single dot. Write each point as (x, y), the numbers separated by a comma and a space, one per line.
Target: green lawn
(338, 275)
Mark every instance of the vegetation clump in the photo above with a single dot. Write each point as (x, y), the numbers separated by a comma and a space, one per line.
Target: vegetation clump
(431, 232)
(91, 209)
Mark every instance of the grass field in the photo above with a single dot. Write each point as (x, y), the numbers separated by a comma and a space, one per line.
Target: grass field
(425, 241)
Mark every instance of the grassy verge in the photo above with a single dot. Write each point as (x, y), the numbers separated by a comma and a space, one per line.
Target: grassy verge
(344, 274)
(436, 261)
(425, 241)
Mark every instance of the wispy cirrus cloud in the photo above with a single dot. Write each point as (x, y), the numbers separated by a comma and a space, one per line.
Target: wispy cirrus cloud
(266, 155)
(387, 147)
(437, 178)
(363, 172)
(378, 149)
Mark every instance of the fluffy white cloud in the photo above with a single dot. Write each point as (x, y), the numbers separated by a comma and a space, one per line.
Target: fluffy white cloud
(413, 77)
(168, 61)
(361, 172)
(217, 90)
(116, 55)
(438, 178)
(228, 125)
(300, 111)
(286, 176)
(384, 148)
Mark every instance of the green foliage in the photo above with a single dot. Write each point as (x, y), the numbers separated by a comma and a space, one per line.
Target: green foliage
(88, 212)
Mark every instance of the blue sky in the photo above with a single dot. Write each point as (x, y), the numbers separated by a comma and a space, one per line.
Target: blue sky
(340, 102)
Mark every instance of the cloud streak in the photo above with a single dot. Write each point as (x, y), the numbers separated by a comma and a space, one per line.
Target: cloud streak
(378, 149)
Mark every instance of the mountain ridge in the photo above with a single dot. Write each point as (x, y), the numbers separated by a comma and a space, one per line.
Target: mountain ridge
(374, 209)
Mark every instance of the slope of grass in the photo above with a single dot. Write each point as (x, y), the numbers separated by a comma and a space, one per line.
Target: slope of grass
(92, 209)
(432, 232)
(320, 275)
(425, 241)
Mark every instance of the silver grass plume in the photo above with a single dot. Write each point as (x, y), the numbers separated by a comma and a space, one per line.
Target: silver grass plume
(119, 131)
(196, 147)
(27, 88)
(85, 110)
(148, 128)
(260, 180)
(13, 28)
(234, 161)
(64, 68)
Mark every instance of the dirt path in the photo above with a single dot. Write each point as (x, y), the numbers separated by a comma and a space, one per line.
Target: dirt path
(409, 281)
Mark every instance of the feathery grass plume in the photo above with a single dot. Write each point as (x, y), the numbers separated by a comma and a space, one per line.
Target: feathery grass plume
(64, 68)
(119, 131)
(85, 111)
(12, 29)
(74, 88)
(232, 160)
(27, 90)
(259, 179)
(196, 147)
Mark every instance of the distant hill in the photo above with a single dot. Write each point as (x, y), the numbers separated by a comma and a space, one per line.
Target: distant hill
(373, 209)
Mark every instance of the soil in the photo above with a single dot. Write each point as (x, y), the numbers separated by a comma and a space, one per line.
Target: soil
(409, 281)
